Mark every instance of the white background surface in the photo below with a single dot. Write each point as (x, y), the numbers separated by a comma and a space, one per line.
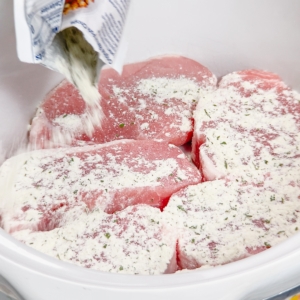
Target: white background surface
(224, 35)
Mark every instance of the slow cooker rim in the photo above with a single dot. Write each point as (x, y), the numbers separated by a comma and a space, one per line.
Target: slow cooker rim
(14, 251)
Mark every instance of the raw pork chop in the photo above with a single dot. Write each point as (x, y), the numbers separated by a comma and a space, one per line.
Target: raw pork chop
(153, 99)
(38, 187)
(133, 241)
(221, 221)
(251, 123)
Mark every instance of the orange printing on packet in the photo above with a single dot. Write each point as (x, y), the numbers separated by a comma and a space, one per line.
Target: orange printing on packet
(295, 297)
(74, 4)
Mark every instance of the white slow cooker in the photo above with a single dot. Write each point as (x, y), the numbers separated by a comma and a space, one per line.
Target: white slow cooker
(224, 35)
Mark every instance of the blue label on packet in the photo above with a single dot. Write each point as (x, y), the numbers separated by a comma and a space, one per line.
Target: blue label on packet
(44, 20)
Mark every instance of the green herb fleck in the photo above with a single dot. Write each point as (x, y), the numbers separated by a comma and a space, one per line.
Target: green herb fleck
(248, 216)
(272, 198)
(193, 241)
(75, 192)
(121, 268)
(266, 162)
(267, 245)
(65, 115)
(225, 164)
(207, 113)
(121, 125)
(181, 208)
(107, 235)
(104, 246)
(223, 143)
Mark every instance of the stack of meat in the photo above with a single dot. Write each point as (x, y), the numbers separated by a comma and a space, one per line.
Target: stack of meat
(129, 197)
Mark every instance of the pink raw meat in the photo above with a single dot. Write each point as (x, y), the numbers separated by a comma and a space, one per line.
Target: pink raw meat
(133, 241)
(251, 122)
(221, 221)
(153, 99)
(163, 95)
(39, 187)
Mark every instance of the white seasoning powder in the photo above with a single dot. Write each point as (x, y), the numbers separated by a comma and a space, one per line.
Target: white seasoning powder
(221, 221)
(43, 182)
(75, 58)
(161, 92)
(69, 122)
(115, 243)
(248, 133)
(162, 88)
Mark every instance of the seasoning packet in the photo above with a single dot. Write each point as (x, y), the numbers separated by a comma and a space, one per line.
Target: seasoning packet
(101, 22)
